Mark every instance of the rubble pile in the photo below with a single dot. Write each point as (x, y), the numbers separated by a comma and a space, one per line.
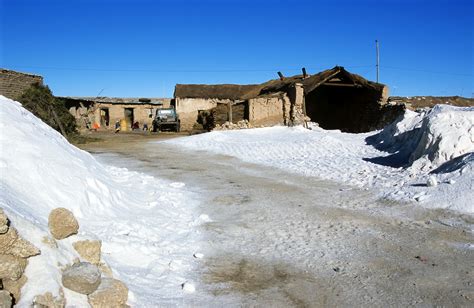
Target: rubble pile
(87, 275)
(244, 124)
(14, 254)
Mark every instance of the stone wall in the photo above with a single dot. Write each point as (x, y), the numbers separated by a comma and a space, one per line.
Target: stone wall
(297, 108)
(13, 84)
(269, 110)
(188, 109)
(96, 114)
(89, 113)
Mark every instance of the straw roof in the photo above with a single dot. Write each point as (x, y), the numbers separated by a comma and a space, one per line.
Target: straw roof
(312, 82)
(244, 92)
(220, 91)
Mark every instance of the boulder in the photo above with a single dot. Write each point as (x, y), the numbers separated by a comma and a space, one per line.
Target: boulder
(110, 293)
(89, 250)
(62, 223)
(14, 287)
(12, 244)
(50, 301)
(12, 267)
(82, 277)
(7, 239)
(3, 222)
(5, 299)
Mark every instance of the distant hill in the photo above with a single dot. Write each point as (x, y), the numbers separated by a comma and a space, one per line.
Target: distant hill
(415, 102)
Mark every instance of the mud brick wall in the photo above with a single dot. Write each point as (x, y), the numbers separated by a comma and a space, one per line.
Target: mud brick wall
(13, 84)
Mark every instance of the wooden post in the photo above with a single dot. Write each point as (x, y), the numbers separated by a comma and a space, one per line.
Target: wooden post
(56, 118)
(229, 108)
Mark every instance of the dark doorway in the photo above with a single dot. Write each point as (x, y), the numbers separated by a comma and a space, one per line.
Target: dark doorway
(128, 115)
(345, 107)
(104, 117)
(240, 111)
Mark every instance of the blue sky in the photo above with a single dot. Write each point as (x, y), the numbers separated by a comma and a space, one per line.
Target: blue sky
(143, 48)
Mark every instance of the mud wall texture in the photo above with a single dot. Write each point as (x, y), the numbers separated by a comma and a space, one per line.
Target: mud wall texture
(188, 109)
(13, 84)
(269, 110)
(107, 114)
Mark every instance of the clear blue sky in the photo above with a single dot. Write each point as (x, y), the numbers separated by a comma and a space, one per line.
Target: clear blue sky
(143, 48)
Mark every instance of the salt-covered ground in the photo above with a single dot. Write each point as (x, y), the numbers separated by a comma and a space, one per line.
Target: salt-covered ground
(279, 239)
(426, 157)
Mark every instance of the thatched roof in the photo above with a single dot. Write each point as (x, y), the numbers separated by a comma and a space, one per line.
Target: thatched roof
(220, 91)
(244, 92)
(314, 81)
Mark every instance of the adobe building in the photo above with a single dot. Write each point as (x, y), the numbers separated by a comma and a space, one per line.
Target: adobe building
(13, 84)
(104, 112)
(334, 98)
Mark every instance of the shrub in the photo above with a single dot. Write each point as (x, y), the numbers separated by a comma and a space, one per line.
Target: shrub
(40, 101)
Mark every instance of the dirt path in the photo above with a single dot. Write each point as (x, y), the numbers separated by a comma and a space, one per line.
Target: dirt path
(277, 239)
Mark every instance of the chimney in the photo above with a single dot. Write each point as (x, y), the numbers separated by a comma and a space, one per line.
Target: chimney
(304, 73)
(281, 76)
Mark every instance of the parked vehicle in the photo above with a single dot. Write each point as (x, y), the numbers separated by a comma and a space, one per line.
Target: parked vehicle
(166, 119)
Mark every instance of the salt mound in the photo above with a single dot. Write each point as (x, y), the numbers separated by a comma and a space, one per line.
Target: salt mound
(41, 171)
(42, 167)
(428, 139)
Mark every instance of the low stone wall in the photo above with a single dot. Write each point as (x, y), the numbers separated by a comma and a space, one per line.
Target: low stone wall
(13, 84)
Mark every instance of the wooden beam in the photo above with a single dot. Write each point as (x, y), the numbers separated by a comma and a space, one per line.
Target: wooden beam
(339, 84)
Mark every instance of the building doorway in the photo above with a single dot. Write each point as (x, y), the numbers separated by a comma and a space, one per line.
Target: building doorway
(345, 107)
(128, 116)
(104, 117)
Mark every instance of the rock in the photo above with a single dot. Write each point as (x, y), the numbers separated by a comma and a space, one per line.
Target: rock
(89, 250)
(82, 278)
(431, 181)
(3, 222)
(23, 248)
(5, 299)
(14, 287)
(62, 223)
(12, 267)
(110, 293)
(12, 244)
(198, 255)
(188, 287)
(7, 240)
(50, 301)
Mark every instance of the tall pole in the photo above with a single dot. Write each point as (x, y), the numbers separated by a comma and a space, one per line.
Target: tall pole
(378, 59)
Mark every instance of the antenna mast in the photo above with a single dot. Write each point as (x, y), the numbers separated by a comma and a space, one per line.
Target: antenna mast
(378, 58)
